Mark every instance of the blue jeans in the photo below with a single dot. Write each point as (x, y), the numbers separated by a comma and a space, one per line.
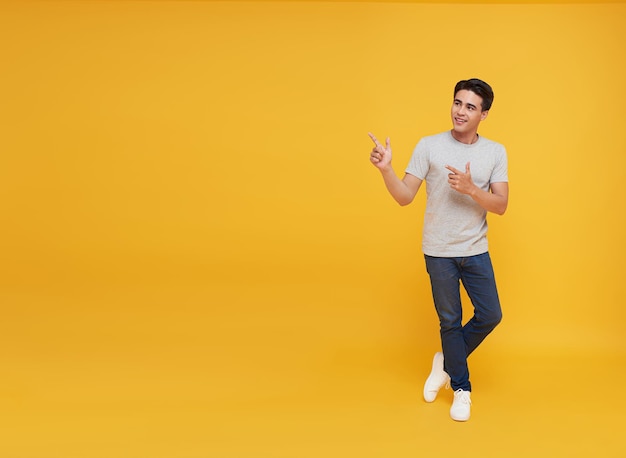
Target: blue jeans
(458, 341)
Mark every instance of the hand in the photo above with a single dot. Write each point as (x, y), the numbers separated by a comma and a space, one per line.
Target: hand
(459, 181)
(380, 155)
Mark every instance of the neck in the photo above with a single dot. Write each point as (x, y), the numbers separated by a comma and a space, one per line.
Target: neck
(468, 138)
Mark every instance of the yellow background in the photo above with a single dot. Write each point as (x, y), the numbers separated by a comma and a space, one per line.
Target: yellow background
(198, 260)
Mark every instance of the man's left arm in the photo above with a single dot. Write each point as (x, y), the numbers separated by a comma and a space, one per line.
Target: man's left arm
(495, 201)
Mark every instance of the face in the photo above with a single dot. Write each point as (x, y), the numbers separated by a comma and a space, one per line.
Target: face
(467, 112)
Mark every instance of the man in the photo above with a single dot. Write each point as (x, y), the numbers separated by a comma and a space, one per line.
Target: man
(466, 177)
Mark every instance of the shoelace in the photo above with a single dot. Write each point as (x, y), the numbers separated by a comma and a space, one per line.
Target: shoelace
(462, 396)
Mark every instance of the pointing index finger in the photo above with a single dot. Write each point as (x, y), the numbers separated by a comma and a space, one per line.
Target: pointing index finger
(374, 139)
(453, 170)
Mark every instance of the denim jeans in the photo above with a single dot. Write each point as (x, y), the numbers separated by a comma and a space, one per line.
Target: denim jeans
(458, 341)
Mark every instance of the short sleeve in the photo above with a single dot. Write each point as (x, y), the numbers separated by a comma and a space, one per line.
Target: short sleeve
(419, 163)
(501, 170)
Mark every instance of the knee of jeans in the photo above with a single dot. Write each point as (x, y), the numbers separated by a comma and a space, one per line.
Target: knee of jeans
(488, 320)
(494, 318)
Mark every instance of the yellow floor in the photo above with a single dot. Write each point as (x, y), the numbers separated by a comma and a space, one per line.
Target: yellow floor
(263, 371)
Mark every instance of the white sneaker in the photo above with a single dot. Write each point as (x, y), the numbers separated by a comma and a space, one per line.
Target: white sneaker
(460, 410)
(437, 378)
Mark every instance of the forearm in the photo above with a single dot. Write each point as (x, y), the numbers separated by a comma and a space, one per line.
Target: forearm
(494, 203)
(398, 188)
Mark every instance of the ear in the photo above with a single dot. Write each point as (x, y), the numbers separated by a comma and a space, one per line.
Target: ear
(483, 115)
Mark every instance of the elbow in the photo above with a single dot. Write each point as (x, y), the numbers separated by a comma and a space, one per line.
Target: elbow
(501, 205)
(500, 211)
(405, 199)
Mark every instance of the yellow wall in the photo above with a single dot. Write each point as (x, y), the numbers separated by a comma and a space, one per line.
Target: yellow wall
(187, 203)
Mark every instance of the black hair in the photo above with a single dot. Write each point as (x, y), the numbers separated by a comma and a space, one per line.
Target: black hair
(478, 87)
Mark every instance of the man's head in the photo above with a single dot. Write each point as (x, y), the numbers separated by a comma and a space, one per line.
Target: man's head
(472, 100)
(479, 88)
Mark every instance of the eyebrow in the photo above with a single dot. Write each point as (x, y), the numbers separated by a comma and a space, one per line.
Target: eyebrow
(468, 104)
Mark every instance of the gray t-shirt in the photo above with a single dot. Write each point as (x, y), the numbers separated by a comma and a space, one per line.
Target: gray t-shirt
(455, 225)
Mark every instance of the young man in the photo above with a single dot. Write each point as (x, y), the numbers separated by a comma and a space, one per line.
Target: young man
(466, 177)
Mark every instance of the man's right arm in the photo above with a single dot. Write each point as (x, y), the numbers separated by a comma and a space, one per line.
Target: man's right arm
(402, 190)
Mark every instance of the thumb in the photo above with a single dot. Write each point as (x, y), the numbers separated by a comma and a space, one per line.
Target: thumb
(467, 168)
(388, 144)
